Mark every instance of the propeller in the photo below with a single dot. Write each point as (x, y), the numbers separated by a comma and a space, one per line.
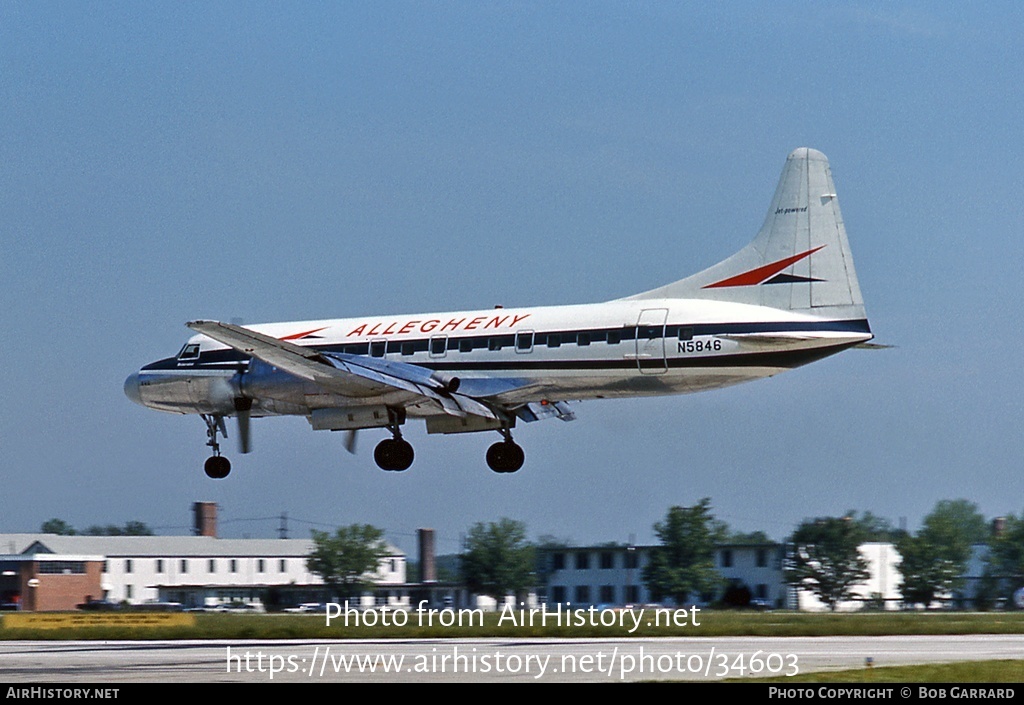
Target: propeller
(350, 441)
(243, 409)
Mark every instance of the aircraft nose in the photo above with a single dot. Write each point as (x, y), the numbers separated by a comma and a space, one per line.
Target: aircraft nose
(131, 389)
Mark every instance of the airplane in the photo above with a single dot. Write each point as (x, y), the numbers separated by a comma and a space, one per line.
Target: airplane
(788, 298)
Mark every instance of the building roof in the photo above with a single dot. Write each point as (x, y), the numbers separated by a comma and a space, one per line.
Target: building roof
(160, 546)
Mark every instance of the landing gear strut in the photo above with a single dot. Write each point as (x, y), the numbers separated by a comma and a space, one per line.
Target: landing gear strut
(506, 455)
(394, 453)
(216, 466)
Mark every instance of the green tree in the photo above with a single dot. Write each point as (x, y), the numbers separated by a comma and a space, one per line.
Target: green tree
(683, 565)
(347, 559)
(934, 561)
(497, 560)
(824, 558)
(875, 528)
(57, 526)
(131, 528)
(748, 537)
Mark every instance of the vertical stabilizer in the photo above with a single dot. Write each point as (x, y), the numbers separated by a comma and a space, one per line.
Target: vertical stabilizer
(800, 259)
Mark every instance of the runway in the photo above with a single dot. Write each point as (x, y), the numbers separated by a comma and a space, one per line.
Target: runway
(479, 660)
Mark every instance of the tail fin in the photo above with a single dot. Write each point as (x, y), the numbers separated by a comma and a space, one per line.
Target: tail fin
(799, 261)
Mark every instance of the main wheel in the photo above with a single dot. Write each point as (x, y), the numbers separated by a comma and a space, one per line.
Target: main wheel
(217, 467)
(403, 455)
(505, 456)
(393, 454)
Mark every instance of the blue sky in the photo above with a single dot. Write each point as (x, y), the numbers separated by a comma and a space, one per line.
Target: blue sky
(161, 162)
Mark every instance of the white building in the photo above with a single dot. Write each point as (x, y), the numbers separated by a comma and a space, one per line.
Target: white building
(207, 571)
(613, 575)
(194, 571)
(881, 589)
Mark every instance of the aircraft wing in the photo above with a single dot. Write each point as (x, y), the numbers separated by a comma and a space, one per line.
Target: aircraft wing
(346, 374)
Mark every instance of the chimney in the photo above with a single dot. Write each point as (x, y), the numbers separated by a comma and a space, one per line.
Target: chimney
(205, 523)
(428, 564)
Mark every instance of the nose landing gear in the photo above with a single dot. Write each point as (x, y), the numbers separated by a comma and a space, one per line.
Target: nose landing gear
(216, 466)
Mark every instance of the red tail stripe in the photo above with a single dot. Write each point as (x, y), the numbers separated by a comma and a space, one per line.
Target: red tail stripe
(756, 276)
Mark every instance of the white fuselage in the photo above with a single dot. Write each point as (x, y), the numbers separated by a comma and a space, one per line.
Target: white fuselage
(614, 349)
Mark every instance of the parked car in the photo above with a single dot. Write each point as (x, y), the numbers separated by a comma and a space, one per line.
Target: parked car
(99, 606)
(308, 608)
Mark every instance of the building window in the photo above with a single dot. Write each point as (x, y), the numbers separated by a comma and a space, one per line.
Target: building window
(128, 565)
(558, 561)
(128, 592)
(233, 566)
(761, 591)
(260, 566)
(211, 565)
(633, 593)
(582, 594)
(762, 558)
(608, 594)
(105, 569)
(183, 566)
(159, 565)
(607, 561)
(582, 561)
(727, 558)
(632, 559)
(62, 567)
(282, 565)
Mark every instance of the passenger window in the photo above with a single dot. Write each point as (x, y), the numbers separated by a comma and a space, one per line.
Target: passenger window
(408, 348)
(583, 339)
(377, 348)
(554, 340)
(494, 343)
(614, 337)
(466, 345)
(686, 332)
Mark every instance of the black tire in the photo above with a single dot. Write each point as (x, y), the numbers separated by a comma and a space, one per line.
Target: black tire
(217, 467)
(505, 456)
(393, 454)
(384, 453)
(403, 455)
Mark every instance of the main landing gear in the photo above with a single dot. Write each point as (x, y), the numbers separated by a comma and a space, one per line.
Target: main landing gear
(395, 453)
(216, 466)
(506, 455)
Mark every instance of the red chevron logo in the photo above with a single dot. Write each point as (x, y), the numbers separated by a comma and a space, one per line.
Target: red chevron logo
(763, 273)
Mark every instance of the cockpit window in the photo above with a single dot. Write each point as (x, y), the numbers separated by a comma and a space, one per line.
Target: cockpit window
(189, 352)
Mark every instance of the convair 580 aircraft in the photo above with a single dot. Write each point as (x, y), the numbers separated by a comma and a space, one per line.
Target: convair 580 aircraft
(788, 298)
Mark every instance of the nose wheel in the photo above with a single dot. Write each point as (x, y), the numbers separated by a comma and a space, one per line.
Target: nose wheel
(216, 466)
